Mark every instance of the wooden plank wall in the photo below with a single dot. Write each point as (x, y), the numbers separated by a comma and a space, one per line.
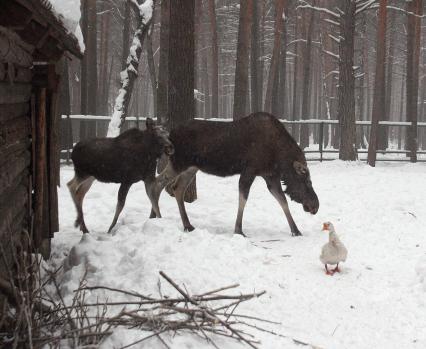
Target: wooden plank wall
(15, 156)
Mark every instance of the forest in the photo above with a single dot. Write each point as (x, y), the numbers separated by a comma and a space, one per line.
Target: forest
(342, 60)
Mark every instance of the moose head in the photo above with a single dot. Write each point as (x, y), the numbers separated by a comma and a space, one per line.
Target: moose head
(299, 186)
(161, 135)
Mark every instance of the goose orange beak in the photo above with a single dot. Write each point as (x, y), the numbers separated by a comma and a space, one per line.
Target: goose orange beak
(324, 226)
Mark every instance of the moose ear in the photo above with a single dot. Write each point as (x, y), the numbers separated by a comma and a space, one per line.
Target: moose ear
(149, 124)
(299, 167)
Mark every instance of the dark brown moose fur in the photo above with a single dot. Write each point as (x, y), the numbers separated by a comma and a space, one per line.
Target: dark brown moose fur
(257, 145)
(126, 159)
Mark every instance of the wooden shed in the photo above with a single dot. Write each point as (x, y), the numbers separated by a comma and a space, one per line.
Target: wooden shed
(33, 40)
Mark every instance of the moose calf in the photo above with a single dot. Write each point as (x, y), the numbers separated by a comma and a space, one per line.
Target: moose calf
(126, 159)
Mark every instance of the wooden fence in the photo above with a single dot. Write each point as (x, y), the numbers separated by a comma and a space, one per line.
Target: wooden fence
(317, 150)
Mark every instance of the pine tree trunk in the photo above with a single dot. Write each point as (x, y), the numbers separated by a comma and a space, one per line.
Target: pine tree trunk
(181, 106)
(413, 52)
(151, 68)
(254, 61)
(163, 70)
(304, 130)
(273, 76)
(346, 91)
(242, 63)
(84, 63)
(384, 131)
(282, 104)
(379, 85)
(215, 61)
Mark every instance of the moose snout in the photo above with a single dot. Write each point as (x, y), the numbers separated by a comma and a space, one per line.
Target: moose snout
(311, 206)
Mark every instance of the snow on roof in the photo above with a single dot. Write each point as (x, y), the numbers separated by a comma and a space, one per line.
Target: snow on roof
(69, 10)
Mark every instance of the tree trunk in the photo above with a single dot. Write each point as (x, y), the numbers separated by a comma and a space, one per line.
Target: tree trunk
(384, 131)
(304, 130)
(104, 52)
(273, 75)
(127, 21)
(181, 106)
(413, 52)
(163, 70)
(84, 63)
(242, 63)
(151, 67)
(129, 74)
(254, 61)
(379, 85)
(282, 95)
(346, 94)
(215, 61)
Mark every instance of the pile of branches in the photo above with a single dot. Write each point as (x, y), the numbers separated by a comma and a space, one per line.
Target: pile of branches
(206, 315)
(40, 317)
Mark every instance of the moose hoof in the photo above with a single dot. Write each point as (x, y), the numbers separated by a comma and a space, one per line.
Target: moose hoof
(296, 233)
(240, 232)
(189, 228)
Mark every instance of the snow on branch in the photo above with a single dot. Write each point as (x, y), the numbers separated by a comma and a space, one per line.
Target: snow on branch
(129, 74)
(332, 54)
(364, 6)
(335, 38)
(328, 20)
(305, 5)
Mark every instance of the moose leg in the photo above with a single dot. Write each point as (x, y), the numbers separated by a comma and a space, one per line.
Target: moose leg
(155, 188)
(122, 194)
(78, 189)
(179, 188)
(276, 190)
(72, 184)
(244, 185)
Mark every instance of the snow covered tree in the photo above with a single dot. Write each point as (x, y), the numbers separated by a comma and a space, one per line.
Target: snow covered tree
(128, 75)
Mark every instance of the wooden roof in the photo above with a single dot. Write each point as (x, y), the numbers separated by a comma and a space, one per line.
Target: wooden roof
(37, 25)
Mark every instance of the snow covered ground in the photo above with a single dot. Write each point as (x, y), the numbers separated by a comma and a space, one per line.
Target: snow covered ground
(378, 301)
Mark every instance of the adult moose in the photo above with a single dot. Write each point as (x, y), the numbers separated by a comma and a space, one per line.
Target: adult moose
(257, 145)
(126, 159)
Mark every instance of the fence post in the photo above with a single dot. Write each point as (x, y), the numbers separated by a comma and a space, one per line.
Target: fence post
(321, 139)
(69, 138)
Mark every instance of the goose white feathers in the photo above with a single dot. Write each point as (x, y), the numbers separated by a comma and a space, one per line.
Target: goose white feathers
(333, 252)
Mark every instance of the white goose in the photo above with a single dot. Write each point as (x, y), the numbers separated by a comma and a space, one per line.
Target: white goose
(334, 251)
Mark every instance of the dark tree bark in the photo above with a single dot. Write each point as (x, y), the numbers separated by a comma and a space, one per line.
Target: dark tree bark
(383, 141)
(273, 76)
(151, 64)
(281, 103)
(242, 63)
(413, 52)
(304, 130)
(254, 61)
(84, 62)
(89, 68)
(215, 60)
(379, 85)
(346, 92)
(103, 69)
(181, 105)
(163, 70)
